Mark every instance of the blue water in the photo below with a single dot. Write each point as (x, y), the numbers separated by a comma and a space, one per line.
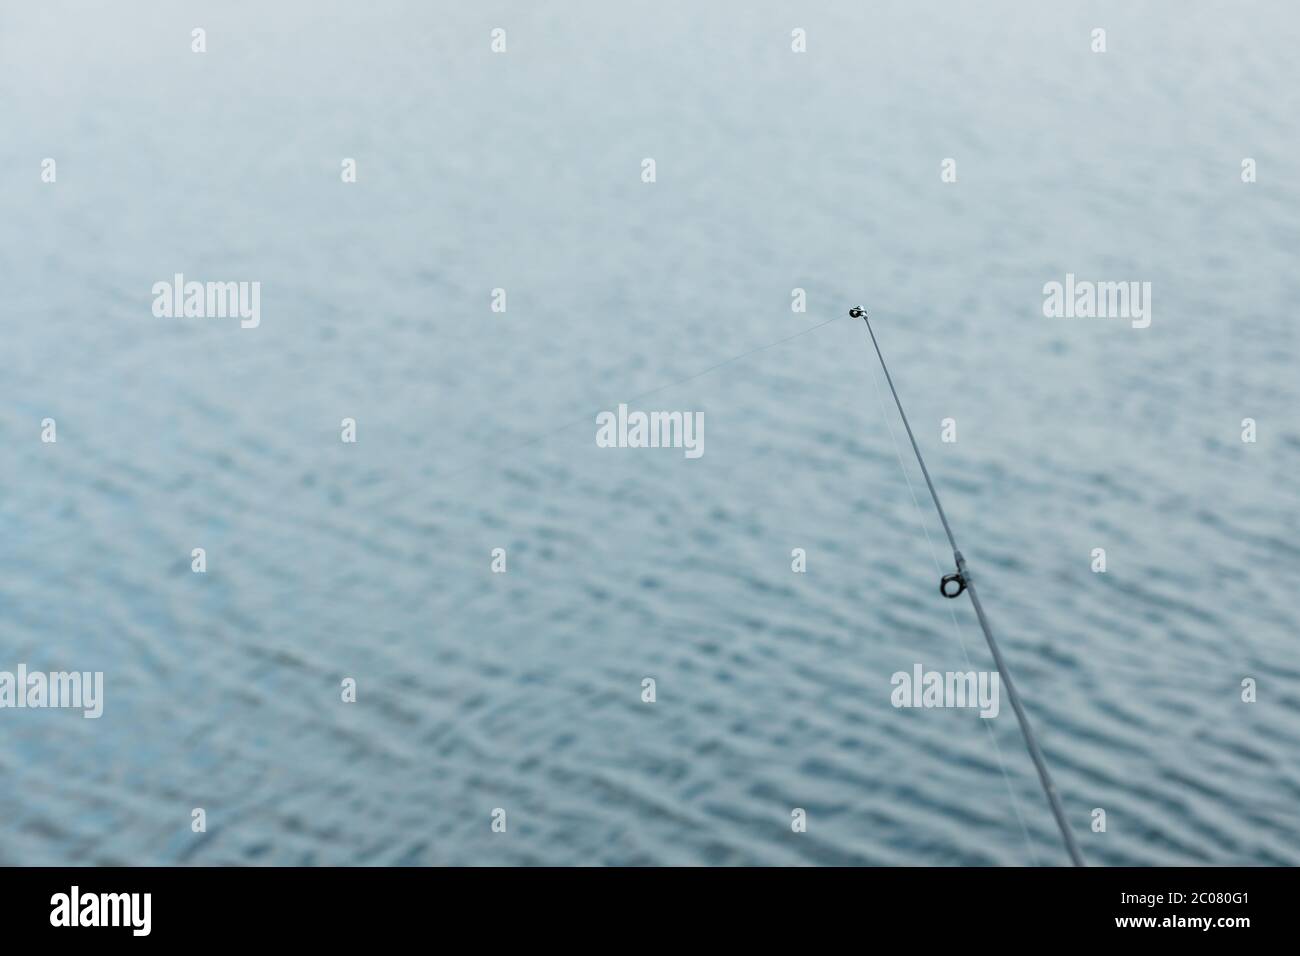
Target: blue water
(522, 690)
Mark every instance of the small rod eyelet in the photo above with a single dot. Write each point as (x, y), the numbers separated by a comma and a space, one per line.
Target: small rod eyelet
(954, 578)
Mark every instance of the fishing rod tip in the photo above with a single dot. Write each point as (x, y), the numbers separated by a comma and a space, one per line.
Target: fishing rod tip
(857, 312)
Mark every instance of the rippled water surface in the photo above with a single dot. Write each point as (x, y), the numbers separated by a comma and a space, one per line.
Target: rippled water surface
(522, 690)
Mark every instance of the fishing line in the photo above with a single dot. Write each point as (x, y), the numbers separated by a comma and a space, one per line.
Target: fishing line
(586, 419)
(951, 586)
(952, 616)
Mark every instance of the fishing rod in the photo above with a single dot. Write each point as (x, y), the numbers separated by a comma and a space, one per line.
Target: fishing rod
(951, 586)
